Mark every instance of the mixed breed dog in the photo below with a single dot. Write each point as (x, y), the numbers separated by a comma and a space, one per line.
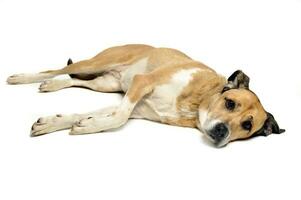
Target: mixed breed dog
(162, 85)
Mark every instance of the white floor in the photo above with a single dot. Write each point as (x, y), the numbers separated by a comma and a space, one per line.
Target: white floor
(146, 160)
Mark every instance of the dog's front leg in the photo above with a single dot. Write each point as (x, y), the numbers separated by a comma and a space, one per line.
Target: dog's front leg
(58, 122)
(140, 86)
(93, 124)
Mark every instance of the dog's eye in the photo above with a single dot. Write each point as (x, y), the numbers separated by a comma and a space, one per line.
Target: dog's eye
(230, 104)
(247, 125)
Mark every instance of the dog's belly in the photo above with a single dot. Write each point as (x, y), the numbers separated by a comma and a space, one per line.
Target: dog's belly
(161, 104)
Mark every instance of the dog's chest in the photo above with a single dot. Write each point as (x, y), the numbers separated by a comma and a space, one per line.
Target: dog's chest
(162, 102)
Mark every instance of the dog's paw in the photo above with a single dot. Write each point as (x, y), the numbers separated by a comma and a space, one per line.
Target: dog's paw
(18, 79)
(50, 124)
(53, 85)
(84, 126)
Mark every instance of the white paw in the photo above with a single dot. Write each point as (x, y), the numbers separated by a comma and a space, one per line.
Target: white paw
(84, 126)
(18, 79)
(50, 124)
(53, 85)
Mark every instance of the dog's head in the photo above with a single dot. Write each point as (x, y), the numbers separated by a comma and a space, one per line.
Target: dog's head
(236, 114)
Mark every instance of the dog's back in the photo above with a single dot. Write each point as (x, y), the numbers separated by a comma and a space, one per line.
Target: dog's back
(143, 58)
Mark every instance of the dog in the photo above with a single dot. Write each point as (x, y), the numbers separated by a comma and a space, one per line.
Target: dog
(162, 85)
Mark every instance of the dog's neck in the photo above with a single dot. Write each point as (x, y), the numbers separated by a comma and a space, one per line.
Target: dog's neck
(198, 94)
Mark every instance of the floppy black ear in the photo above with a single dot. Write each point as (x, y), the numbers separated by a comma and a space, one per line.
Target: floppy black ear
(270, 126)
(237, 80)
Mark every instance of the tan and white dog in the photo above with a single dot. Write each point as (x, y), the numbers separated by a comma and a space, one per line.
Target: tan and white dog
(162, 85)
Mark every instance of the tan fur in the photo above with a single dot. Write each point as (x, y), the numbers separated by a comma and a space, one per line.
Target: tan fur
(111, 57)
(199, 92)
(248, 105)
(202, 92)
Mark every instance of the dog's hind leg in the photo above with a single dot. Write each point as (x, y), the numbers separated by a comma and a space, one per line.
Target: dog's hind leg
(45, 75)
(105, 83)
(91, 68)
(29, 78)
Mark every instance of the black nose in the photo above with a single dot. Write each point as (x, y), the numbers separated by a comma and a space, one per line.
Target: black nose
(219, 132)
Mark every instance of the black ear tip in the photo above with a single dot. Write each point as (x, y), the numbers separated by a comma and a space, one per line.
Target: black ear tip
(281, 131)
(234, 75)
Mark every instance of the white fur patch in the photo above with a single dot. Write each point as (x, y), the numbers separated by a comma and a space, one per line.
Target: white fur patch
(206, 123)
(203, 115)
(126, 106)
(164, 97)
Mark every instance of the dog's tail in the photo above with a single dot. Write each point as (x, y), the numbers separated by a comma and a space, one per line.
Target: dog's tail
(69, 62)
(80, 76)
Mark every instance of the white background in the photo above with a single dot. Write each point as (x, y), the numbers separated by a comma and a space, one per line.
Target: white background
(146, 160)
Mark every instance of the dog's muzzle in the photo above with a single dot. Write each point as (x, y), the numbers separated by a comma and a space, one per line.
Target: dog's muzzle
(219, 133)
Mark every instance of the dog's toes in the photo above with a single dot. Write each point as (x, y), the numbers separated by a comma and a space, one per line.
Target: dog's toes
(37, 129)
(84, 122)
(45, 86)
(32, 131)
(16, 79)
(49, 124)
(75, 130)
(78, 130)
(84, 126)
(53, 85)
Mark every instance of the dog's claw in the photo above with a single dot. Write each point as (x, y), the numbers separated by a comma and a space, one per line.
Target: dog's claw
(39, 120)
(49, 124)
